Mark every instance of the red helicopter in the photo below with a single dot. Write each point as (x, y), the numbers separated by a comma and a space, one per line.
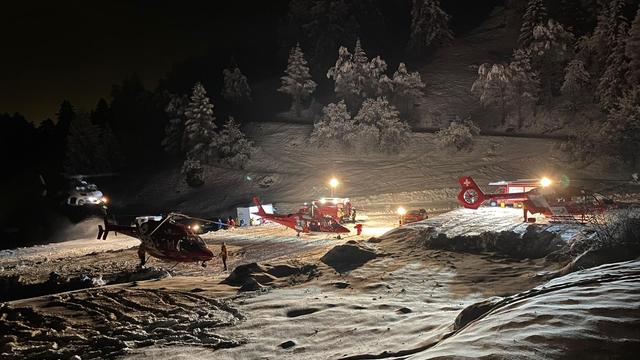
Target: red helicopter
(555, 202)
(303, 222)
(166, 238)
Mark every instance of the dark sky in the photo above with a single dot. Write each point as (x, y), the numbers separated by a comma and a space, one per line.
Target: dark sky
(77, 50)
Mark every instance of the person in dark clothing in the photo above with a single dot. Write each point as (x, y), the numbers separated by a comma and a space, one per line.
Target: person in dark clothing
(223, 255)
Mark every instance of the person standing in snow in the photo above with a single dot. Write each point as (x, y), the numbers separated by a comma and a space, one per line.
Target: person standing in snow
(232, 223)
(223, 255)
(358, 229)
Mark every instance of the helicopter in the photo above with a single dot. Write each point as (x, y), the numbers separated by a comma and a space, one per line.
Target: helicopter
(555, 202)
(167, 238)
(303, 222)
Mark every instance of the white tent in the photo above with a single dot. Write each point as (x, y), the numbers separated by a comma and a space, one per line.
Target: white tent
(245, 214)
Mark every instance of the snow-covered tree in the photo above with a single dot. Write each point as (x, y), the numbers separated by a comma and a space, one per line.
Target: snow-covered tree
(236, 88)
(322, 24)
(233, 147)
(199, 126)
(335, 124)
(535, 14)
(492, 87)
(551, 48)
(509, 88)
(379, 114)
(523, 87)
(622, 129)
(355, 77)
(458, 136)
(193, 172)
(343, 75)
(576, 82)
(612, 82)
(297, 81)
(599, 45)
(172, 142)
(403, 89)
(429, 26)
(632, 51)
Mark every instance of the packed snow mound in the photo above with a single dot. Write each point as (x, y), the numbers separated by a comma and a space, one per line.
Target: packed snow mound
(533, 244)
(15, 287)
(347, 257)
(107, 323)
(589, 314)
(254, 276)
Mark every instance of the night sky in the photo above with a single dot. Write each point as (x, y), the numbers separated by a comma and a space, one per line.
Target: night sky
(77, 50)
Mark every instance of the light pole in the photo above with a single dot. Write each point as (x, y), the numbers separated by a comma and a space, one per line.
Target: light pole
(401, 213)
(333, 183)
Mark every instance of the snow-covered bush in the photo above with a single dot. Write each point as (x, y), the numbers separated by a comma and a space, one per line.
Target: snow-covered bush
(616, 228)
(193, 172)
(377, 126)
(379, 114)
(297, 81)
(336, 125)
(233, 147)
(236, 88)
(458, 136)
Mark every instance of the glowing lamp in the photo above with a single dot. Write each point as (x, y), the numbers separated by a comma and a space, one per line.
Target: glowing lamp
(401, 211)
(545, 181)
(195, 227)
(104, 200)
(333, 183)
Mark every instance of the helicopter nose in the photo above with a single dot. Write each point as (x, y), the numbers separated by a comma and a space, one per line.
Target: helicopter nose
(206, 254)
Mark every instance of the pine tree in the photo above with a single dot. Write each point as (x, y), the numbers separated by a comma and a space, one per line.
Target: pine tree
(102, 114)
(86, 152)
(233, 147)
(65, 116)
(406, 88)
(174, 131)
(600, 44)
(632, 51)
(335, 124)
(112, 148)
(429, 26)
(523, 86)
(612, 82)
(492, 87)
(551, 48)
(622, 129)
(576, 82)
(199, 127)
(297, 81)
(345, 80)
(383, 117)
(535, 14)
(356, 78)
(236, 88)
